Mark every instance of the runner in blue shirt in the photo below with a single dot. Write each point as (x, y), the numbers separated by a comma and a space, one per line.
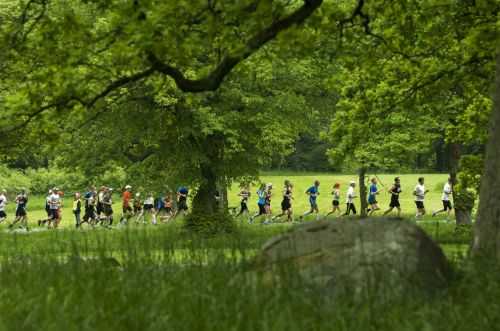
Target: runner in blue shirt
(372, 197)
(313, 193)
(262, 194)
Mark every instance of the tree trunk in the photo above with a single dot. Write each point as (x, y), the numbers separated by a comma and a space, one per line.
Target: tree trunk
(362, 191)
(463, 216)
(487, 228)
(204, 201)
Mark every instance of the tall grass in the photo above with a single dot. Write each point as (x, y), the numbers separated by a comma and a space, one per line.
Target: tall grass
(165, 279)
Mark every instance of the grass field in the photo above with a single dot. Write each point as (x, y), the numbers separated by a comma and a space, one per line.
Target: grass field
(163, 278)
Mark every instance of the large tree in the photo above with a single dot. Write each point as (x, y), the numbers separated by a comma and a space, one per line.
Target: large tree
(84, 57)
(75, 64)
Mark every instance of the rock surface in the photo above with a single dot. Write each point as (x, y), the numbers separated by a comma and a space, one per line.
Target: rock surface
(356, 257)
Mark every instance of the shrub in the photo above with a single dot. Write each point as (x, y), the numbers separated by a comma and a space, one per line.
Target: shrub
(13, 180)
(43, 179)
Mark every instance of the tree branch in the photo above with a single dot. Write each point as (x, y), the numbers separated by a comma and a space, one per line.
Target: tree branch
(117, 84)
(21, 35)
(214, 79)
(209, 83)
(65, 102)
(30, 117)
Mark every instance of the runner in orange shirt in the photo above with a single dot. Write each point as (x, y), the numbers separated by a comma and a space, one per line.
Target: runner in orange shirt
(127, 208)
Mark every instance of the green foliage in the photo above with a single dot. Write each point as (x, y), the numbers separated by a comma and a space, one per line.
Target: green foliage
(41, 180)
(449, 233)
(469, 181)
(309, 155)
(12, 180)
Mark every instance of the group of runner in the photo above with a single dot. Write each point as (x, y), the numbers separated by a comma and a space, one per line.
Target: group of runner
(161, 207)
(265, 193)
(97, 207)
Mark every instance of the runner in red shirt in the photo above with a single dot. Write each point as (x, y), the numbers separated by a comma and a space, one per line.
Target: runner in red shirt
(127, 208)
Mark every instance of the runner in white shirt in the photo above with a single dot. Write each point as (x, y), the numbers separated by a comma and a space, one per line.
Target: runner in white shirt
(3, 203)
(47, 210)
(447, 192)
(336, 199)
(54, 206)
(351, 195)
(107, 207)
(99, 205)
(419, 194)
(148, 207)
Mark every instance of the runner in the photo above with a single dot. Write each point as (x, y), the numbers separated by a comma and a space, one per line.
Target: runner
(336, 199)
(447, 192)
(419, 194)
(77, 209)
(313, 193)
(21, 210)
(147, 207)
(59, 210)
(47, 207)
(182, 207)
(267, 203)
(245, 195)
(137, 204)
(126, 207)
(372, 197)
(395, 191)
(47, 210)
(3, 203)
(351, 195)
(99, 205)
(90, 201)
(54, 205)
(161, 205)
(159, 209)
(286, 203)
(261, 203)
(107, 207)
(169, 210)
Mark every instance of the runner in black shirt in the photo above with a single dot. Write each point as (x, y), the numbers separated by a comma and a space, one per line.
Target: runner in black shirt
(395, 191)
